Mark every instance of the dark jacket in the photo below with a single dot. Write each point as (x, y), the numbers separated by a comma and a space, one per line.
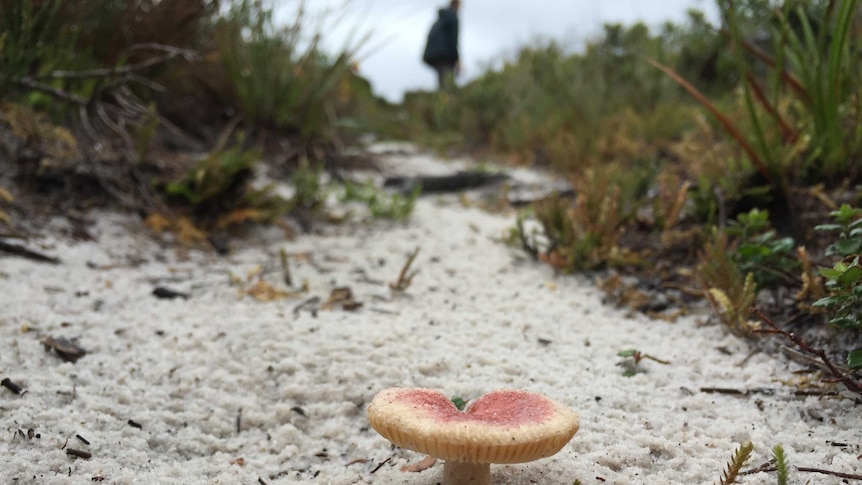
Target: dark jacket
(442, 46)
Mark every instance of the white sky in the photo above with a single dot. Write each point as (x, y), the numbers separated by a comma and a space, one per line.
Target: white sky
(490, 30)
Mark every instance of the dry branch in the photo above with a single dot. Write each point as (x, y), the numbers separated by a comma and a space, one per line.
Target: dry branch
(837, 374)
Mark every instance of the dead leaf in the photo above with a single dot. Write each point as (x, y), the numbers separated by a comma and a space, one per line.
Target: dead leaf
(66, 349)
(553, 259)
(239, 216)
(263, 291)
(157, 223)
(188, 234)
(421, 465)
(341, 296)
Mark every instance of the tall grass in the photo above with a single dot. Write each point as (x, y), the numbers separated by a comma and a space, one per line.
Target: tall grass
(804, 128)
(28, 39)
(279, 75)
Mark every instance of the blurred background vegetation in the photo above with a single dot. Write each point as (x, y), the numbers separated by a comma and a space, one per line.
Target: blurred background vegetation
(720, 160)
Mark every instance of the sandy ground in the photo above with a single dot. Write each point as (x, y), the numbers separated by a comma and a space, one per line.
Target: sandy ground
(223, 388)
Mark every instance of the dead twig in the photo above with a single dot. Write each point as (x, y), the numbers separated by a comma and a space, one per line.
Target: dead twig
(829, 472)
(837, 374)
(27, 253)
(767, 467)
(285, 267)
(380, 465)
(405, 277)
(170, 53)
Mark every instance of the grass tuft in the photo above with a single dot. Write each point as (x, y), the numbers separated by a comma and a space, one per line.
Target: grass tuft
(739, 459)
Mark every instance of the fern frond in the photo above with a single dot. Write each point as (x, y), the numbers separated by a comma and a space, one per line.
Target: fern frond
(780, 464)
(740, 457)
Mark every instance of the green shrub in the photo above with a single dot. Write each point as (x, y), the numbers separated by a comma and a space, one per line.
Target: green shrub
(279, 76)
(216, 175)
(759, 251)
(381, 205)
(844, 279)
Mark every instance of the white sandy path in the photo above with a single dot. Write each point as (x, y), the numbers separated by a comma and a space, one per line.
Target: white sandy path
(470, 323)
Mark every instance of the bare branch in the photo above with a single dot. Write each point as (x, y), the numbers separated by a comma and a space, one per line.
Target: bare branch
(849, 382)
(172, 52)
(56, 92)
(829, 472)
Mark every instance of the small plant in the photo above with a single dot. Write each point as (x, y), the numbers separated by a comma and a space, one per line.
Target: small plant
(848, 225)
(636, 356)
(729, 291)
(740, 457)
(309, 192)
(380, 204)
(215, 175)
(780, 464)
(844, 303)
(5, 198)
(405, 277)
(584, 235)
(759, 251)
(670, 201)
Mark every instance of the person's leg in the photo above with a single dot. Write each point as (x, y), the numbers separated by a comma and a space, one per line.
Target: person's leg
(445, 77)
(441, 77)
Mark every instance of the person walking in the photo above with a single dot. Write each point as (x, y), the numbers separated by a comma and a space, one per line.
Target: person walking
(441, 50)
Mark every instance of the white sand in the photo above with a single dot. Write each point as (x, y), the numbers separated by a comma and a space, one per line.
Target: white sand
(471, 322)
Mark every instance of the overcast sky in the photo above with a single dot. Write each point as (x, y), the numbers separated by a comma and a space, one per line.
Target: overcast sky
(490, 30)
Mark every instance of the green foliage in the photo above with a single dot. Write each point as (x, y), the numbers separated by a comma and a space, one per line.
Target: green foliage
(145, 131)
(279, 76)
(848, 225)
(780, 464)
(758, 250)
(459, 403)
(844, 303)
(802, 127)
(309, 191)
(566, 110)
(382, 205)
(28, 38)
(583, 235)
(633, 359)
(821, 56)
(215, 175)
(740, 457)
(729, 290)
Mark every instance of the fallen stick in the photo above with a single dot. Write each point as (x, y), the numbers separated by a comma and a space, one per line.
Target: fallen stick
(17, 250)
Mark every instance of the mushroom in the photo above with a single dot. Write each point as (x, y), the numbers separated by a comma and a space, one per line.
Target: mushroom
(504, 426)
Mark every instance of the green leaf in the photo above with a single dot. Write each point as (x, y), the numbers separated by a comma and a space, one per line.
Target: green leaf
(783, 245)
(780, 464)
(846, 322)
(854, 359)
(845, 247)
(459, 403)
(831, 301)
(851, 276)
(828, 227)
(627, 353)
(835, 272)
(846, 214)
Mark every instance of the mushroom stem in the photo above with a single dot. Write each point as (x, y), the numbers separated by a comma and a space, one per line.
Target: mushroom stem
(460, 473)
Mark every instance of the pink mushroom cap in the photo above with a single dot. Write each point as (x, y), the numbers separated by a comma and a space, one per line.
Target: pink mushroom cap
(504, 426)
